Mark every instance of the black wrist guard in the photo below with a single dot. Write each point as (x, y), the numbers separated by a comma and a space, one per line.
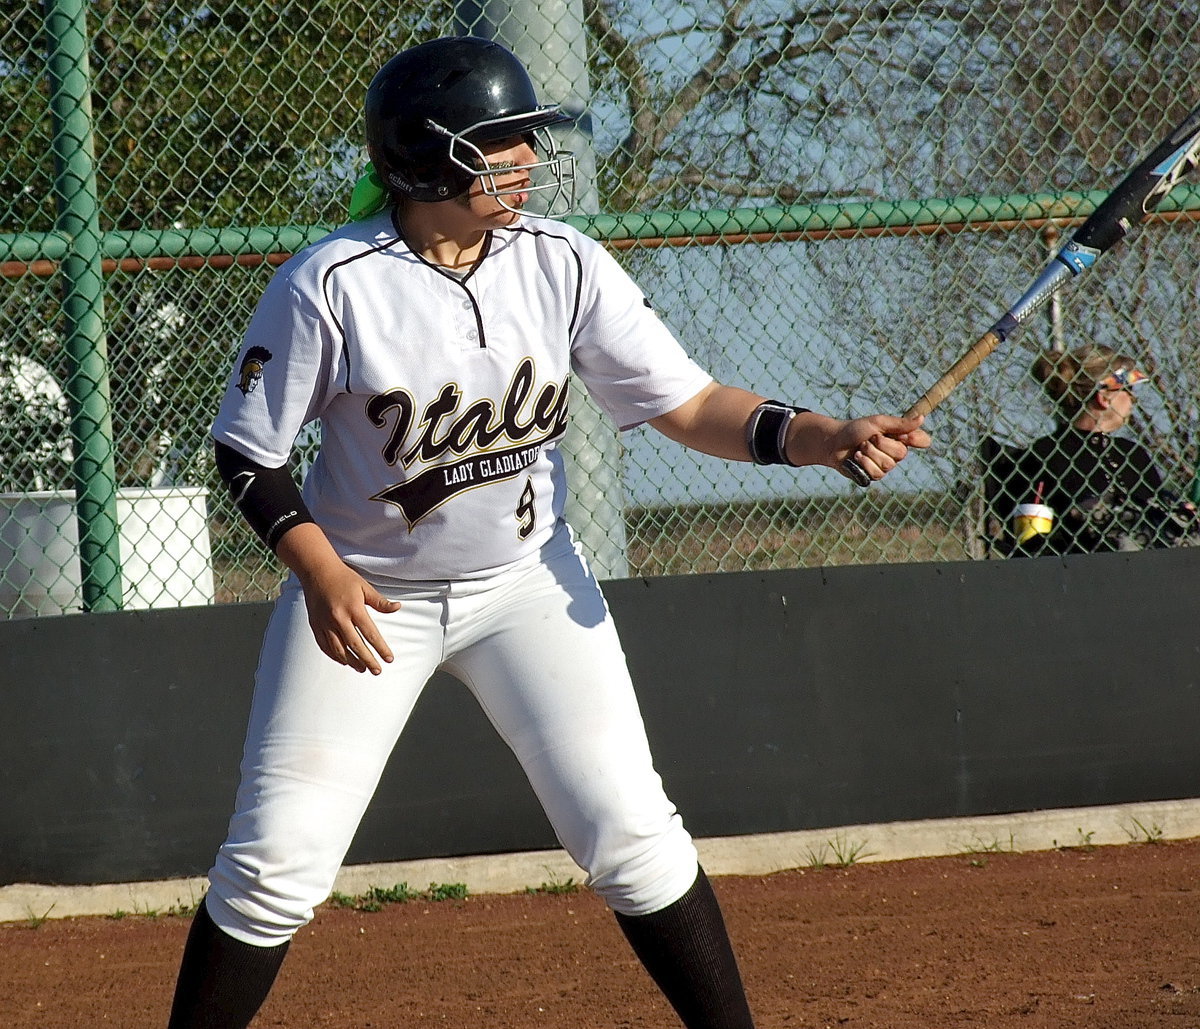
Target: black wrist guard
(268, 498)
(766, 431)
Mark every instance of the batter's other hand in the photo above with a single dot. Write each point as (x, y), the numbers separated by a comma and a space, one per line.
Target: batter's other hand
(338, 603)
(878, 443)
(338, 599)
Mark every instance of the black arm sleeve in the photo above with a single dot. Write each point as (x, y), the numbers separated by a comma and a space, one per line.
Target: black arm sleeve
(268, 498)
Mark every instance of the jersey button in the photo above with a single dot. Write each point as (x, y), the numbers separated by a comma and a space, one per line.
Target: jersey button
(466, 305)
(472, 334)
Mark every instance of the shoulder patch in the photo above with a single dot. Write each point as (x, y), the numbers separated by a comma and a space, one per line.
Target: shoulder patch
(251, 372)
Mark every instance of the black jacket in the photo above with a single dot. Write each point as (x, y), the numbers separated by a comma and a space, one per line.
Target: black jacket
(1106, 494)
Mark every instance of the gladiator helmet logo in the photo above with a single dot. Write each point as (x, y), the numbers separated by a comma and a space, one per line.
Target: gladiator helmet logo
(251, 372)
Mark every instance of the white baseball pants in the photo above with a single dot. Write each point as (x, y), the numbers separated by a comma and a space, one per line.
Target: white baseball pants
(537, 648)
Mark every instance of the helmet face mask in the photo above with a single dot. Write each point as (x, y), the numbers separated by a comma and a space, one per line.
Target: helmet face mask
(553, 179)
(431, 108)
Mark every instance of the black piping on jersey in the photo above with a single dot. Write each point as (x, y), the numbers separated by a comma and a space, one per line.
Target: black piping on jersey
(329, 304)
(458, 280)
(462, 283)
(578, 267)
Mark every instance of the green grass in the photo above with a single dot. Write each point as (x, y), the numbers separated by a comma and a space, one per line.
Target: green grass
(838, 852)
(376, 897)
(555, 885)
(1141, 833)
(178, 910)
(979, 850)
(1086, 841)
(36, 921)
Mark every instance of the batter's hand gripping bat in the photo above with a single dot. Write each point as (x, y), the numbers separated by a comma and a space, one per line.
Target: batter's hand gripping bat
(1120, 212)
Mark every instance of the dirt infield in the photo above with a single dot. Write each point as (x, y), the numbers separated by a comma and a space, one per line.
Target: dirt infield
(1093, 938)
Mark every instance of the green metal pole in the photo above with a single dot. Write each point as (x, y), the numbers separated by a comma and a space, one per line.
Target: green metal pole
(898, 217)
(83, 305)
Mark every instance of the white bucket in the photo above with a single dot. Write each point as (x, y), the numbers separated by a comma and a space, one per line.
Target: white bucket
(163, 536)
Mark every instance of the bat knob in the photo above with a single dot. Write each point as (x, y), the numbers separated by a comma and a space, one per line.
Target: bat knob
(853, 469)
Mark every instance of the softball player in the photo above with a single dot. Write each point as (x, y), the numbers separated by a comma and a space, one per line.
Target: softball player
(433, 341)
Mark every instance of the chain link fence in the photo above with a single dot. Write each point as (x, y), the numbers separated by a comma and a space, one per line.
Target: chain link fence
(827, 203)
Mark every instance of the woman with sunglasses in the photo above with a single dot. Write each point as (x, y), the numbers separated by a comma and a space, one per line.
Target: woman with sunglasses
(1103, 491)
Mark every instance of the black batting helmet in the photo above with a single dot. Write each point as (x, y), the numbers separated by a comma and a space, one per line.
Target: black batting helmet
(428, 107)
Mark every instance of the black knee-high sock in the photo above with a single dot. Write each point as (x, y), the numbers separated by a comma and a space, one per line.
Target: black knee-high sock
(222, 981)
(686, 950)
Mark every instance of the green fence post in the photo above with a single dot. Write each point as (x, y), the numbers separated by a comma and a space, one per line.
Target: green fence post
(83, 305)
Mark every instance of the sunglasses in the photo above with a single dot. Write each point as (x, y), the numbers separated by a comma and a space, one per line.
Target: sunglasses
(1122, 378)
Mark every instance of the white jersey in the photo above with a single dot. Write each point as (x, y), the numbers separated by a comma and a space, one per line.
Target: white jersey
(442, 399)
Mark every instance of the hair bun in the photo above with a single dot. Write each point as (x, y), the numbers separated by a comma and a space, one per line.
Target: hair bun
(1056, 372)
